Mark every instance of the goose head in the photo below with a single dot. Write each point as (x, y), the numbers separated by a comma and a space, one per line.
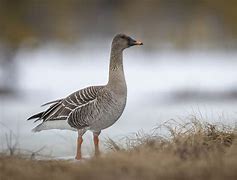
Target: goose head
(122, 41)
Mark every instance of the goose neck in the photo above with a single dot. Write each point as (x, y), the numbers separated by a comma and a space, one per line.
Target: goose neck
(116, 72)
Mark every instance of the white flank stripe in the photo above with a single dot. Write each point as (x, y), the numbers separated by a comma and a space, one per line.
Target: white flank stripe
(56, 124)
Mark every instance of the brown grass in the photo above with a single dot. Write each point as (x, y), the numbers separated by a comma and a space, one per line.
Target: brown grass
(193, 150)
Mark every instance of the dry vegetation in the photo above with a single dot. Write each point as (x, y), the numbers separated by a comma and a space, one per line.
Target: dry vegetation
(193, 150)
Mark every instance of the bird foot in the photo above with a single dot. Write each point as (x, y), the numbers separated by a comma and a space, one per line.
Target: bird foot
(78, 157)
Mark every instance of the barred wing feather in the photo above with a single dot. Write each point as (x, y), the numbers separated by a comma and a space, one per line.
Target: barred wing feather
(70, 107)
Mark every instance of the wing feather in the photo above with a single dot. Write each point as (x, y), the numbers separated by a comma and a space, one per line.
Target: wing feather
(51, 102)
(73, 106)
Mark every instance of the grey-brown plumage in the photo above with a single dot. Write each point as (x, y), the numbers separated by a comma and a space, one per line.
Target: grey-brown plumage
(93, 108)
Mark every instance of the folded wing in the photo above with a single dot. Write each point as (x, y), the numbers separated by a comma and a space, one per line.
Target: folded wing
(70, 106)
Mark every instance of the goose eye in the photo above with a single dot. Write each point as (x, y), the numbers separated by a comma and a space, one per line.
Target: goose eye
(123, 37)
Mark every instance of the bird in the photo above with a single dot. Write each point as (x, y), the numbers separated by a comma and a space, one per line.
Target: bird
(92, 108)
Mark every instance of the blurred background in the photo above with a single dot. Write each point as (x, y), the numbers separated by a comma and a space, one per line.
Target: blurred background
(49, 49)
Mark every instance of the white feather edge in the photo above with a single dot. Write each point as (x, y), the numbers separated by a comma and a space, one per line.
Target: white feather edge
(56, 124)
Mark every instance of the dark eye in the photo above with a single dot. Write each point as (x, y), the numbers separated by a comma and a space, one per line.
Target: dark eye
(123, 36)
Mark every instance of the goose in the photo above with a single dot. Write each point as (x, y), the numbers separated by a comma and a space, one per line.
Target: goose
(93, 108)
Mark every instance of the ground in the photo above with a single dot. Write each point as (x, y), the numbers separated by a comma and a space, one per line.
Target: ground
(192, 151)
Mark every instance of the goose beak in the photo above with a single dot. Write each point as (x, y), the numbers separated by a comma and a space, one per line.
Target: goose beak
(138, 43)
(134, 42)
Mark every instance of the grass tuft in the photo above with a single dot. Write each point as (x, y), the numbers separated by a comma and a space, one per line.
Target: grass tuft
(192, 150)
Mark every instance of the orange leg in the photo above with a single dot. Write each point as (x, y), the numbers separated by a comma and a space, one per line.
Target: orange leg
(96, 143)
(79, 142)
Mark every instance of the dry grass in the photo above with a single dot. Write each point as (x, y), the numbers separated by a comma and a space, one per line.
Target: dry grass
(193, 150)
